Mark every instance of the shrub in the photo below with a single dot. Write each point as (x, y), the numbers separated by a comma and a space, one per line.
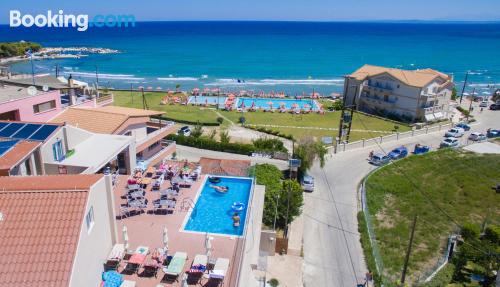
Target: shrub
(242, 120)
(273, 282)
(220, 120)
(210, 144)
(187, 122)
(224, 137)
(470, 231)
(197, 131)
(267, 144)
(492, 234)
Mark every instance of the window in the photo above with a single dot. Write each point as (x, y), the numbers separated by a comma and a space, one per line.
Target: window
(398, 86)
(89, 219)
(40, 108)
(57, 150)
(153, 146)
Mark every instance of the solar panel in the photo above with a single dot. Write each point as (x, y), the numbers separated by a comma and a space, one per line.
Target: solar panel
(7, 145)
(3, 125)
(26, 131)
(11, 129)
(43, 133)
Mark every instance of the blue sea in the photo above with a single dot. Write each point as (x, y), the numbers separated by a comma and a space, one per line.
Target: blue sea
(291, 57)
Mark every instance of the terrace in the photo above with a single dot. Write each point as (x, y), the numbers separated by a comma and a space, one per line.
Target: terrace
(145, 228)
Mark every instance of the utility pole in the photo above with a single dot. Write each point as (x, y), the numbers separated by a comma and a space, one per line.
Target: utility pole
(353, 106)
(408, 251)
(131, 94)
(463, 87)
(470, 105)
(346, 87)
(97, 81)
(144, 102)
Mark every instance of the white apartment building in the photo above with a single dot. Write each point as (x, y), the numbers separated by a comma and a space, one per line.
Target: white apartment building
(410, 95)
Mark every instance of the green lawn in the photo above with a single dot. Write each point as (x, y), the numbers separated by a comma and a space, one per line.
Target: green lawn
(328, 120)
(179, 112)
(457, 182)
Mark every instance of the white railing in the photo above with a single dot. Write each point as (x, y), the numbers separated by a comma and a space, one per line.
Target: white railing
(343, 147)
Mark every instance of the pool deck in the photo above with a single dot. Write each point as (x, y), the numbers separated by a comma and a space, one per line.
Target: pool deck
(146, 230)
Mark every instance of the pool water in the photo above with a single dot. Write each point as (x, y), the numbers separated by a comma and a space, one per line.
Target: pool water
(263, 103)
(212, 212)
(210, 100)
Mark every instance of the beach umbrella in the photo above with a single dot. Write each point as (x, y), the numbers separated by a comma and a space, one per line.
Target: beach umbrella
(270, 103)
(242, 106)
(486, 93)
(208, 245)
(253, 104)
(158, 88)
(165, 238)
(170, 92)
(206, 90)
(150, 88)
(125, 237)
(466, 94)
(140, 87)
(295, 105)
(307, 106)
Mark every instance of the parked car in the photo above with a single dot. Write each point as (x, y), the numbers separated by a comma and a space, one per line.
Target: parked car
(307, 183)
(493, 133)
(421, 149)
(495, 107)
(450, 142)
(483, 104)
(398, 152)
(463, 126)
(475, 136)
(455, 132)
(380, 159)
(184, 131)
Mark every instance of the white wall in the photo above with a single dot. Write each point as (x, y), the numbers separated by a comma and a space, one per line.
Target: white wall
(94, 246)
(138, 131)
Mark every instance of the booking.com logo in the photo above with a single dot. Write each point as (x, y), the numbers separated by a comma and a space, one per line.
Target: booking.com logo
(60, 20)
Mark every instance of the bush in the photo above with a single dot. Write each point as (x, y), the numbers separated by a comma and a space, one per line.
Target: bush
(11, 49)
(443, 277)
(463, 111)
(273, 282)
(242, 120)
(187, 122)
(271, 132)
(470, 231)
(492, 234)
(210, 144)
(265, 144)
(220, 120)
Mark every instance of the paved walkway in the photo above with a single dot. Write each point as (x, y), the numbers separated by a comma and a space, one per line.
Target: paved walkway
(285, 268)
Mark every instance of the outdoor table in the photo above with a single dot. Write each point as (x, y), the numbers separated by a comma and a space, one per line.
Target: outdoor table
(136, 194)
(144, 181)
(144, 250)
(136, 203)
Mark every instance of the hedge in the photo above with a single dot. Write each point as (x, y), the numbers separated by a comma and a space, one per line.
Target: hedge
(270, 132)
(210, 144)
(187, 122)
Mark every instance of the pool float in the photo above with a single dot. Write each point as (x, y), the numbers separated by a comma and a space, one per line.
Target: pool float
(237, 206)
(220, 189)
(214, 179)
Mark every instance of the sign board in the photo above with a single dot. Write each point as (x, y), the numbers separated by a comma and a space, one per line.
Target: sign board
(294, 162)
(327, 140)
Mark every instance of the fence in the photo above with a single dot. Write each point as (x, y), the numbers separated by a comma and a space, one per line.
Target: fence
(343, 147)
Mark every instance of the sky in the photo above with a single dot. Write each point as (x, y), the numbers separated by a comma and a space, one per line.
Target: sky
(279, 10)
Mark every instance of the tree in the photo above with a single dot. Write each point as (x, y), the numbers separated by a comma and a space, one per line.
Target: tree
(454, 94)
(276, 196)
(269, 144)
(337, 105)
(470, 231)
(308, 151)
(224, 137)
(220, 120)
(177, 87)
(197, 131)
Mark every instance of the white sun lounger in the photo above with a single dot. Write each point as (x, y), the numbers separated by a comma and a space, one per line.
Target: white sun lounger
(220, 268)
(200, 259)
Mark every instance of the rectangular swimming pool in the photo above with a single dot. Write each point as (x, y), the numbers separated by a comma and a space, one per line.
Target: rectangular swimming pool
(209, 100)
(213, 211)
(267, 103)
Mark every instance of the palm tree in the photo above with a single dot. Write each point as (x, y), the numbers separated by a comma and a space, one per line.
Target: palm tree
(177, 87)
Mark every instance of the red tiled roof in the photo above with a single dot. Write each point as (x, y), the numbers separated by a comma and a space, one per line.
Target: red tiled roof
(18, 152)
(49, 182)
(224, 166)
(39, 234)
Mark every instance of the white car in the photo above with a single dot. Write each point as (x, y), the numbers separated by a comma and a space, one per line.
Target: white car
(455, 132)
(308, 183)
(450, 142)
(475, 136)
(483, 104)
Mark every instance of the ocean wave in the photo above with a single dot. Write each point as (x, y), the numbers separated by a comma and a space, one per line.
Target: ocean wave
(177, 79)
(491, 85)
(105, 76)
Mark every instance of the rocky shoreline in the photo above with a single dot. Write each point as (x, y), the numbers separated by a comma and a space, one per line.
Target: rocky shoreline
(60, 53)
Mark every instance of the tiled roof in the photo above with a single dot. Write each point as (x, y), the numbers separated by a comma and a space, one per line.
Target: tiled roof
(49, 182)
(106, 120)
(416, 78)
(39, 230)
(18, 152)
(224, 166)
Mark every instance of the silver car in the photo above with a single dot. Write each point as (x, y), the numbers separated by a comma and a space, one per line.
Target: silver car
(450, 142)
(308, 183)
(475, 136)
(455, 132)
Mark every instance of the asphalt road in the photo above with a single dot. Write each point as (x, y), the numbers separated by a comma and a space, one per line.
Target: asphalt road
(332, 253)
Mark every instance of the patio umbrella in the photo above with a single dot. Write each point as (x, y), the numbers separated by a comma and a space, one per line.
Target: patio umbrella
(295, 105)
(140, 87)
(158, 88)
(307, 106)
(125, 237)
(270, 104)
(208, 245)
(165, 238)
(242, 106)
(150, 88)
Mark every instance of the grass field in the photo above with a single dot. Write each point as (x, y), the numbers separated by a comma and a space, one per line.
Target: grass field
(457, 183)
(288, 122)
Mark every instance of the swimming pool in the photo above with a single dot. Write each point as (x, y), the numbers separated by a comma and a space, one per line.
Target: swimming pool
(212, 212)
(264, 103)
(209, 100)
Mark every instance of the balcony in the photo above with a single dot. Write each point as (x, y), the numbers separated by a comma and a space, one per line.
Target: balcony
(378, 87)
(167, 148)
(155, 134)
(378, 99)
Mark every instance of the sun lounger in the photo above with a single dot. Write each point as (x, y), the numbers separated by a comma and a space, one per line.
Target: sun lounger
(174, 269)
(220, 269)
(197, 269)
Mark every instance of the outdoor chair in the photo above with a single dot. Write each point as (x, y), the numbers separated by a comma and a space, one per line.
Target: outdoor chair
(218, 274)
(174, 269)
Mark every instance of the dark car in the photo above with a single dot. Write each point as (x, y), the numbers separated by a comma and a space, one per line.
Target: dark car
(398, 152)
(495, 107)
(464, 126)
(184, 131)
(493, 133)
